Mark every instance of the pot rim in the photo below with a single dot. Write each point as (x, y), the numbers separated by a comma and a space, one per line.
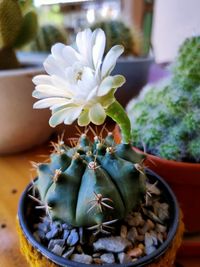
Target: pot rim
(139, 263)
(180, 164)
(29, 70)
(130, 59)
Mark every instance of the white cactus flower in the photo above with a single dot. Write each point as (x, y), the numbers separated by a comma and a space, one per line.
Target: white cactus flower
(78, 83)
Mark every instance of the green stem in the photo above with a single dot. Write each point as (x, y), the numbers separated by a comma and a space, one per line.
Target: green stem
(116, 112)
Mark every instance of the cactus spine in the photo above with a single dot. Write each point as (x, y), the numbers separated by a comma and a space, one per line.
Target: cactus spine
(92, 183)
(166, 118)
(16, 29)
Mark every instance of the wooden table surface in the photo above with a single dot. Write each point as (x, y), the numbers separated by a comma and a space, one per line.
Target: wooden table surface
(15, 174)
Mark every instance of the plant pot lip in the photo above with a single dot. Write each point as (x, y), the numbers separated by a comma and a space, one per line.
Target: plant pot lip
(170, 162)
(32, 69)
(64, 262)
(139, 59)
(32, 62)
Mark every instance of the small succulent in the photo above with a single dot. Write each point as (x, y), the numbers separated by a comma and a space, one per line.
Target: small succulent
(47, 36)
(117, 32)
(94, 183)
(18, 26)
(166, 116)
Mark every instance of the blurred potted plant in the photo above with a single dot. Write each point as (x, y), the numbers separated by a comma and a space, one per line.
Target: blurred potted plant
(166, 122)
(47, 36)
(135, 62)
(98, 203)
(18, 25)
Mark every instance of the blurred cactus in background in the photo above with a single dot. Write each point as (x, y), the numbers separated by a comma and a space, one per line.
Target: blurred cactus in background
(47, 36)
(166, 116)
(18, 26)
(117, 32)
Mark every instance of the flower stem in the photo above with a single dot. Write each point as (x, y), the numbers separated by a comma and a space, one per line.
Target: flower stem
(116, 112)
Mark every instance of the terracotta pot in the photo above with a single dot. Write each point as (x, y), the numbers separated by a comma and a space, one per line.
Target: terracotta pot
(184, 179)
(22, 127)
(39, 256)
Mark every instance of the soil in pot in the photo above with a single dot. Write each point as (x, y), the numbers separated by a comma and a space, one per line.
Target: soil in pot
(141, 237)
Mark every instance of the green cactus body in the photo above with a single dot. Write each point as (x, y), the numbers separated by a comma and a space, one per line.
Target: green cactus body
(47, 36)
(116, 33)
(186, 67)
(165, 118)
(16, 29)
(90, 188)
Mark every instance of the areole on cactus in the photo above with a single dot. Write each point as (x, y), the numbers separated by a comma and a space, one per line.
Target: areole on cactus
(93, 183)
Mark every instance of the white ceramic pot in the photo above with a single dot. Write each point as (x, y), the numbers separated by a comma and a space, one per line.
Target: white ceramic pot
(21, 126)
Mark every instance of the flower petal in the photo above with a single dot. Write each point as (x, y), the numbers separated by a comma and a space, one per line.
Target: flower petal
(98, 47)
(108, 99)
(97, 114)
(111, 59)
(50, 91)
(87, 83)
(56, 51)
(84, 45)
(83, 119)
(92, 94)
(54, 67)
(62, 84)
(110, 83)
(52, 102)
(67, 115)
(70, 55)
(42, 79)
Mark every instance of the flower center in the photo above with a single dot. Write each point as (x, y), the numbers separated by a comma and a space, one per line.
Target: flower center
(79, 75)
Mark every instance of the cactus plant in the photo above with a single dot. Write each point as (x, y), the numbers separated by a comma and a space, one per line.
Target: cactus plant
(16, 29)
(47, 36)
(117, 32)
(91, 183)
(166, 116)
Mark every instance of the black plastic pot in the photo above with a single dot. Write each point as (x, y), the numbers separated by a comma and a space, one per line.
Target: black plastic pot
(26, 221)
(136, 71)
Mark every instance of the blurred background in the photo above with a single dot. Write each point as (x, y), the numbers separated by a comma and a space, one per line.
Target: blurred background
(69, 17)
(157, 24)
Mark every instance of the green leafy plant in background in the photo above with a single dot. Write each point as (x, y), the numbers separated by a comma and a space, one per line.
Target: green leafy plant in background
(117, 32)
(47, 36)
(166, 116)
(18, 26)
